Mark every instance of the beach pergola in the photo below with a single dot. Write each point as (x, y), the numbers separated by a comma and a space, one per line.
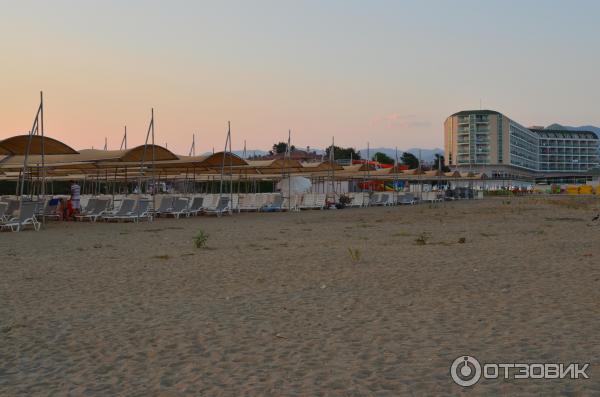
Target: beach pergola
(154, 162)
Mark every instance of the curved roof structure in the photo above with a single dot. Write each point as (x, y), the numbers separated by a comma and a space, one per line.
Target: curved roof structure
(17, 145)
(216, 160)
(93, 158)
(275, 165)
(137, 153)
(322, 166)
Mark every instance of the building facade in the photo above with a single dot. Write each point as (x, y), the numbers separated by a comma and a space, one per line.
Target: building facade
(488, 141)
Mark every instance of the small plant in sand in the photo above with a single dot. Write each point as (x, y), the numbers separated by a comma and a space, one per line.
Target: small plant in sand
(354, 254)
(462, 240)
(422, 239)
(200, 239)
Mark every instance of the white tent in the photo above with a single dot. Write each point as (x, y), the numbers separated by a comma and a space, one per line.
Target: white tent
(294, 184)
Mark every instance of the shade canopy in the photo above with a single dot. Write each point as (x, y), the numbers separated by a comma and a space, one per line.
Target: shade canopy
(17, 145)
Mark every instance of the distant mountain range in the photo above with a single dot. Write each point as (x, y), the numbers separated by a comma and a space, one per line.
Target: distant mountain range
(555, 126)
(427, 155)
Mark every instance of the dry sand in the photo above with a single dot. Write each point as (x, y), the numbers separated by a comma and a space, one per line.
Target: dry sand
(277, 306)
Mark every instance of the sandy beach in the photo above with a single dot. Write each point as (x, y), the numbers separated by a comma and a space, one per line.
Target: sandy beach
(276, 304)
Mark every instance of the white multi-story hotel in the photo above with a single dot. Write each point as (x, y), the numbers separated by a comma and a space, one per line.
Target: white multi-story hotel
(487, 141)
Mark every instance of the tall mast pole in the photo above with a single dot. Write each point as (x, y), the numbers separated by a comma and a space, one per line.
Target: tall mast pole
(124, 141)
(288, 151)
(153, 163)
(331, 163)
(396, 177)
(193, 147)
(142, 172)
(43, 190)
(230, 171)
(369, 168)
(32, 132)
(227, 141)
(420, 180)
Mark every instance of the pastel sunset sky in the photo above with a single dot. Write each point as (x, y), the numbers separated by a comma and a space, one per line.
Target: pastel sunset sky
(387, 72)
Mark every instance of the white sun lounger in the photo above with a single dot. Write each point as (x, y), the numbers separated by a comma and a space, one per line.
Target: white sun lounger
(180, 207)
(406, 198)
(358, 199)
(386, 199)
(141, 211)
(320, 201)
(166, 205)
(26, 217)
(260, 200)
(376, 199)
(248, 202)
(291, 205)
(211, 201)
(3, 207)
(275, 206)
(196, 206)
(221, 208)
(100, 208)
(308, 201)
(125, 209)
(13, 205)
(89, 207)
(50, 209)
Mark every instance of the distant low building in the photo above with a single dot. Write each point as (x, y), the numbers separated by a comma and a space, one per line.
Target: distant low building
(304, 156)
(488, 141)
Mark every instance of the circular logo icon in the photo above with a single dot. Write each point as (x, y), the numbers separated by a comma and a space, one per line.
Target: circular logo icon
(465, 371)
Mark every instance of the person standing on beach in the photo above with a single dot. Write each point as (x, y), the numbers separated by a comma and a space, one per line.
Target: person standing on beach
(75, 197)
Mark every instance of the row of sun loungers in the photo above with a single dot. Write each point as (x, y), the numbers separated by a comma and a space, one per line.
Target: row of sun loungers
(130, 209)
(183, 206)
(141, 208)
(387, 199)
(461, 193)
